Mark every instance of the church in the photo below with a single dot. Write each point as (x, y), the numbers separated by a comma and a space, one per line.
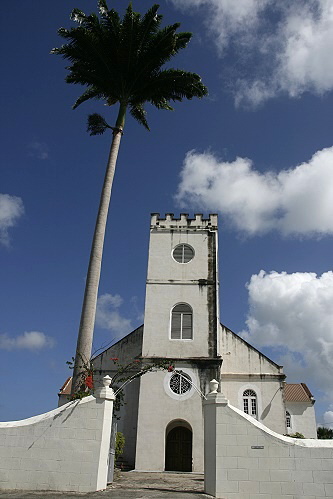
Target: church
(162, 416)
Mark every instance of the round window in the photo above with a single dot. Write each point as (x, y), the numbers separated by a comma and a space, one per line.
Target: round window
(183, 253)
(180, 383)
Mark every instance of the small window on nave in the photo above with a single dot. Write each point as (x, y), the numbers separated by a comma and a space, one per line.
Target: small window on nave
(288, 419)
(181, 322)
(183, 253)
(250, 403)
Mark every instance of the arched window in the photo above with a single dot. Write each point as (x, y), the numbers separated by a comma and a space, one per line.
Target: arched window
(181, 322)
(288, 419)
(250, 403)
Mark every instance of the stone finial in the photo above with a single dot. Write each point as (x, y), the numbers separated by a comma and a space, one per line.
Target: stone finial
(107, 381)
(213, 386)
(105, 391)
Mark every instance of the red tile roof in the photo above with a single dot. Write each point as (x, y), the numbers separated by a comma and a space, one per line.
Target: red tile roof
(66, 387)
(297, 392)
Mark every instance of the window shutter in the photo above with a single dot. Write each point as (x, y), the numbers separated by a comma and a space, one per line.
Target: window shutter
(178, 253)
(181, 322)
(183, 253)
(175, 326)
(187, 327)
(188, 254)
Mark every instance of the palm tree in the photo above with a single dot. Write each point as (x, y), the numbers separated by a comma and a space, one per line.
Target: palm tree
(120, 61)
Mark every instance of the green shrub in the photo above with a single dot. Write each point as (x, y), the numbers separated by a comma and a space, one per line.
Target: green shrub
(296, 435)
(120, 444)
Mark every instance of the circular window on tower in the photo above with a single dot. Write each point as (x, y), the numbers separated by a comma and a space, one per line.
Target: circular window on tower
(180, 383)
(183, 253)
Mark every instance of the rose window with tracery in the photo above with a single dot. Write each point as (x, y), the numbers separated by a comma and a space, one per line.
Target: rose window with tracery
(180, 383)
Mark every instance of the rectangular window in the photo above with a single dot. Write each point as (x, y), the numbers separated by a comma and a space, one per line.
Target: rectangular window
(254, 407)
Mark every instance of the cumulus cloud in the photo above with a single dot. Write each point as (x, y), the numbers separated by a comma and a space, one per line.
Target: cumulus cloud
(38, 150)
(11, 209)
(33, 340)
(328, 419)
(294, 201)
(108, 315)
(293, 313)
(282, 47)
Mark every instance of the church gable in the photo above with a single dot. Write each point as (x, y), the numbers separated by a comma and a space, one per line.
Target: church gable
(125, 351)
(241, 357)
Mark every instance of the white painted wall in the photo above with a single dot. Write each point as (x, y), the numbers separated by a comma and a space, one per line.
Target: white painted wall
(158, 407)
(244, 367)
(65, 449)
(303, 418)
(241, 357)
(126, 351)
(269, 392)
(170, 283)
(246, 460)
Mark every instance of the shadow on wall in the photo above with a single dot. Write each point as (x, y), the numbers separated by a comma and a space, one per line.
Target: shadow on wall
(267, 409)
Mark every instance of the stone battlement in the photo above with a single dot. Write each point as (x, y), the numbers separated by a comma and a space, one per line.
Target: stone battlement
(184, 222)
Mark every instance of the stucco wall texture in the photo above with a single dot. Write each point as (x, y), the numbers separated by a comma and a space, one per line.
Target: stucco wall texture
(246, 460)
(65, 449)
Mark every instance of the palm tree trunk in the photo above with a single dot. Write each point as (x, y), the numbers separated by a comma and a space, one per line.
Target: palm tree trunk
(86, 330)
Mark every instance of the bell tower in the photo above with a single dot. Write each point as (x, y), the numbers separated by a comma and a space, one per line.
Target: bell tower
(182, 309)
(181, 325)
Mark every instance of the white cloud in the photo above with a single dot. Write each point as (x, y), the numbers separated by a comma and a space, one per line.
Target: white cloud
(328, 419)
(294, 201)
(226, 18)
(38, 150)
(11, 209)
(33, 340)
(293, 313)
(108, 316)
(282, 47)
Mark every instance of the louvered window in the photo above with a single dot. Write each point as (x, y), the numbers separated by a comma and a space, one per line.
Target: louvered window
(183, 253)
(250, 403)
(181, 322)
(288, 419)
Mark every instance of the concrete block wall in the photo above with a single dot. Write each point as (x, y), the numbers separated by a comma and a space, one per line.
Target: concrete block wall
(246, 460)
(65, 449)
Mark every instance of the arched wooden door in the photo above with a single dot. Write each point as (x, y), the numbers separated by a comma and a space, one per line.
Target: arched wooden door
(178, 449)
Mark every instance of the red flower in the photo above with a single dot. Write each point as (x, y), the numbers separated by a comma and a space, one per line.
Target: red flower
(89, 382)
(170, 369)
(136, 360)
(114, 358)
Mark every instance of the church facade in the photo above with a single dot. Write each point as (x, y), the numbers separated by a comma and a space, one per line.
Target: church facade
(162, 417)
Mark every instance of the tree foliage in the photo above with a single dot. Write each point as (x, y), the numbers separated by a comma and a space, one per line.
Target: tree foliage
(324, 433)
(122, 60)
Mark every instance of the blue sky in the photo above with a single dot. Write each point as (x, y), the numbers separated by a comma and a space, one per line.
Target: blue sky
(258, 150)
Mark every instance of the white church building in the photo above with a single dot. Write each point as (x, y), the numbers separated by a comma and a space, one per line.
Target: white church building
(162, 415)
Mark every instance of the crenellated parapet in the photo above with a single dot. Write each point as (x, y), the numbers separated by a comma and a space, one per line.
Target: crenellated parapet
(184, 222)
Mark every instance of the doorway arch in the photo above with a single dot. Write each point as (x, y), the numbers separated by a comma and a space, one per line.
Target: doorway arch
(178, 446)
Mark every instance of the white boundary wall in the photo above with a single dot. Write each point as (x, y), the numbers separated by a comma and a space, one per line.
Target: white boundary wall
(246, 460)
(65, 449)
